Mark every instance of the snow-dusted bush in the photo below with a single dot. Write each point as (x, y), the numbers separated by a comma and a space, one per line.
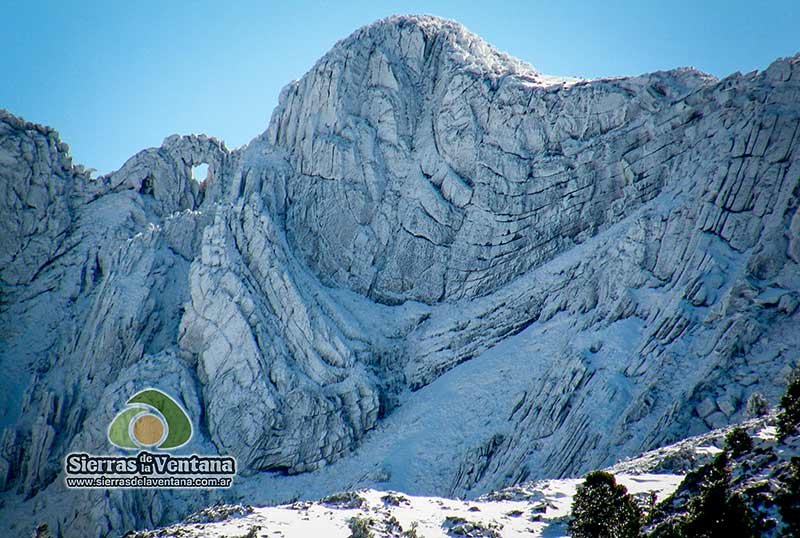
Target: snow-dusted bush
(602, 508)
(738, 442)
(360, 528)
(757, 406)
(715, 511)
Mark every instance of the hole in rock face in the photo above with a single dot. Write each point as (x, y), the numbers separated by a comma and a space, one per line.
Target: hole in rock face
(200, 172)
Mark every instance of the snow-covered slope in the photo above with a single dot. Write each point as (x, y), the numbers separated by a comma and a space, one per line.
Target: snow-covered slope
(544, 506)
(437, 271)
(539, 508)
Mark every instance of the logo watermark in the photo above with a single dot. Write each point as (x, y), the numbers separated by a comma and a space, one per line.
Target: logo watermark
(152, 423)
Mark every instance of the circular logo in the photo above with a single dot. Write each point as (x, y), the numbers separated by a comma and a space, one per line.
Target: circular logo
(151, 419)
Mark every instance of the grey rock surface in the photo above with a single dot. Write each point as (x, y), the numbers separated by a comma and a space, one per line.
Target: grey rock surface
(437, 270)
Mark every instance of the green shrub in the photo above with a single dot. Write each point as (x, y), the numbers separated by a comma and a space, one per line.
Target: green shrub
(715, 512)
(757, 406)
(412, 532)
(394, 499)
(360, 527)
(345, 500)
(252, 533)
(789, 415)
(602, 508)
(738, 442)
(788, 499)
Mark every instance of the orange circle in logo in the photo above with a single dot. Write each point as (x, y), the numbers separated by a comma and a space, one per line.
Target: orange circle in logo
(148, 429)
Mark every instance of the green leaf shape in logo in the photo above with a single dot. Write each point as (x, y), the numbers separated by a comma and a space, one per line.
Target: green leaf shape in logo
(179, 427)
(118, 431)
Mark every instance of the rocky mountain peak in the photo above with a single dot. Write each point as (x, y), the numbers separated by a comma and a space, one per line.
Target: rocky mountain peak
(417, 39)
(403, 139)
(437, 271)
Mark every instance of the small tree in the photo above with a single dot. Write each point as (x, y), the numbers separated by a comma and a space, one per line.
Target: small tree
(714, 512)
(412, 532)
(604, 509)
(738, 442)
(788, 499)
(757, 406)
(789, 415)
(360, 527)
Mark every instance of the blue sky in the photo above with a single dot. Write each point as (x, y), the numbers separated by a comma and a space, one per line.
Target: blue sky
(117, 77)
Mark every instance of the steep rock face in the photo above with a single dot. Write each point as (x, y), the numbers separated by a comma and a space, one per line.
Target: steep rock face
(110, 259)
(35, 214)
(429, 166)
(686, 311)
(616, 259)
(295, 389)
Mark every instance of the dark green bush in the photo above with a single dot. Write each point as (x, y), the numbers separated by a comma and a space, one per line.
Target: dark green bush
(604, 509)
(344, 500)
(789, 415)
(360, 527)
(738, 442)
(715, 512)
(788, 500)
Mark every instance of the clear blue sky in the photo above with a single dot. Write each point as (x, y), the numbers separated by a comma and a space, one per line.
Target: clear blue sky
(116, 77)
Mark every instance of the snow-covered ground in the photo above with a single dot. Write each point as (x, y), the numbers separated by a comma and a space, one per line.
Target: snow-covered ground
(538, 510)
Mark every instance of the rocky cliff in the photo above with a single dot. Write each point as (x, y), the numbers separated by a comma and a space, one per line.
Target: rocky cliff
(437, 270)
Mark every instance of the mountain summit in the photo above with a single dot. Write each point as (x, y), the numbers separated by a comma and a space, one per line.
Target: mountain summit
(443, 160)
(437, 271)
(418, 39)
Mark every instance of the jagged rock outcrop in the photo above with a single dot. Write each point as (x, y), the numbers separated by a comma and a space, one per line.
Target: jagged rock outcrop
(419, 200)
(295, 371)
(34, 211)
(429, 166)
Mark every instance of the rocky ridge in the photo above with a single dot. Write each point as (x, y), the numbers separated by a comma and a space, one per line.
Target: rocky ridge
(421, 207)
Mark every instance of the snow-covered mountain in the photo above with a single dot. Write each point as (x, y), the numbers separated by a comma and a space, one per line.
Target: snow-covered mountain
(437, 271)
